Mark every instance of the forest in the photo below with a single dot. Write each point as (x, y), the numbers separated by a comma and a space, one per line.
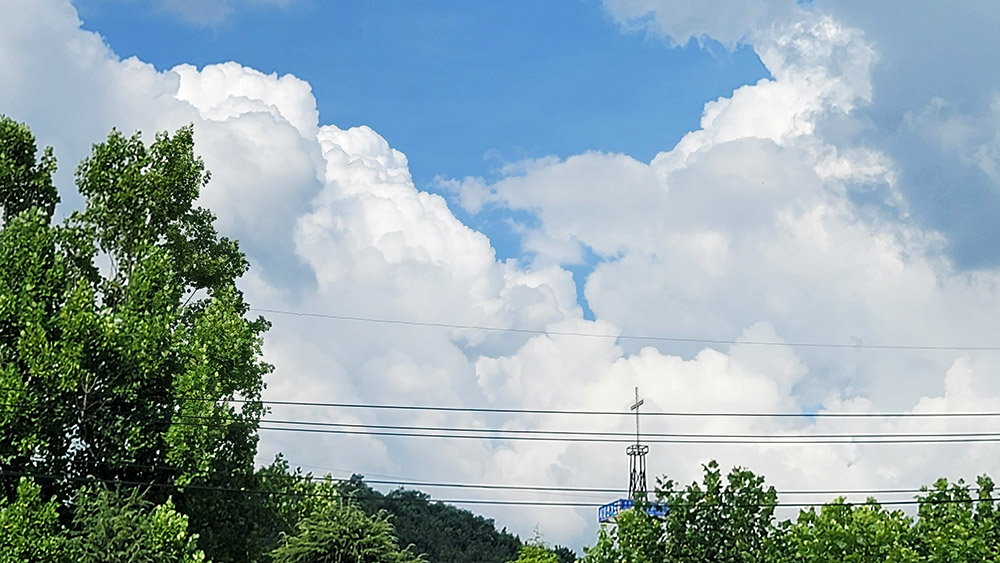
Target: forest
(131, 377)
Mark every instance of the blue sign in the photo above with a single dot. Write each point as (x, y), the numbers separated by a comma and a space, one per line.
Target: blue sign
(608, 512)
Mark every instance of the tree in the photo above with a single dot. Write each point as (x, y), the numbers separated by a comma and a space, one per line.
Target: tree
(564, 554)
(536, 553)
(718, 520)
(733, 521)
(126, 351)
(443, 533)
(951, 526)
(30, 528)
(26, 179)
(636, 537)
(340, 532)
(849, 533)
(112, 525)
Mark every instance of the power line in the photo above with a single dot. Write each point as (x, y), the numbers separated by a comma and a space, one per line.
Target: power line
(534, 488)
(319, 494)
(497, 502)
(491, 410)
(409, 482)
(581, 433)
(676, 339)
(806, 441)
(678, 414)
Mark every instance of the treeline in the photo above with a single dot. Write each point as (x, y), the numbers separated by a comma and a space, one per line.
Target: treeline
(443, 533)
(732, 519)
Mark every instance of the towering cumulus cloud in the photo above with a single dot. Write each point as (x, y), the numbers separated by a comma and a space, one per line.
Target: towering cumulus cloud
(770, 223)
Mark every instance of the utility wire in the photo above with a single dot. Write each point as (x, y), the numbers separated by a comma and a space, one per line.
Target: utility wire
(630, 436)
(405, 482)
(783, 441)
(859, 346)
(806, 441)
(622, 413)
(319, 494)
(679, 414)
(498, 502)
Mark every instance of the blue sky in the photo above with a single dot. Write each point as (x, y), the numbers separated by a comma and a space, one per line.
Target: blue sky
(826, 172)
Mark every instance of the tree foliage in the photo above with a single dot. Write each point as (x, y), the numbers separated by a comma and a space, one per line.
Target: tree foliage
(30, 528)
(536, 553)
(343, 533)
(732, 519)
(720, 519)
(443, 533)
(25, 177)
(123, 337)
(953, 526)
(110, 525)
(842, 532)
(636, 537)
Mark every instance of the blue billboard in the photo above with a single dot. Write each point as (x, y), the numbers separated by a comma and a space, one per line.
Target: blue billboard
(608, 512)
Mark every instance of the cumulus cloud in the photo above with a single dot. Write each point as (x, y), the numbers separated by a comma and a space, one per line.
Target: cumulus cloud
(748, 230)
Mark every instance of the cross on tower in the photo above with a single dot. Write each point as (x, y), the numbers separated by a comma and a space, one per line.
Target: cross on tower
(637, 457)
(635, 407)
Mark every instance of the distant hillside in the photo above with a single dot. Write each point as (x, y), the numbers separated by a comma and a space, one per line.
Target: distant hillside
(444, 533)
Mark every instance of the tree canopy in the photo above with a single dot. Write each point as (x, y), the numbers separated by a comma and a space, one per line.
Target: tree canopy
(732, 519)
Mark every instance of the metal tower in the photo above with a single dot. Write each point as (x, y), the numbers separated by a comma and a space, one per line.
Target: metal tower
(608, 513)
(637, 457)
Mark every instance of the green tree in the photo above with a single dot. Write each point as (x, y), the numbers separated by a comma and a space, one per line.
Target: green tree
(848, 533)
(724, 520)
(952, 526)
(987, 516)
(605, 550)
(25, 178)
(30, 528)
(636, 537)
(340, 532)
(443, 533)
(564, 554)
(116, 526)
(126, 351)
(533, 552)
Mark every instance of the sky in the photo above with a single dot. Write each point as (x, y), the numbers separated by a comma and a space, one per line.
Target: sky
(730, 174)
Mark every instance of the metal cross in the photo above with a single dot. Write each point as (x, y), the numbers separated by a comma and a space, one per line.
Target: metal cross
(635, 407)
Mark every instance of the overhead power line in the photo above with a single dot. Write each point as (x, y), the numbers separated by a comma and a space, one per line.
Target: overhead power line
(612, 491)
(410, 482)
(496, 502)
(626, 435)
(803, 440)
(679, 414)
(703, 414)
(675, 339)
